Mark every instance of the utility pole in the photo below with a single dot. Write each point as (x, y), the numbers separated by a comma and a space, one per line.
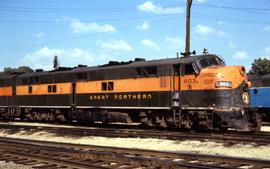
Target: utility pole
(187, 50)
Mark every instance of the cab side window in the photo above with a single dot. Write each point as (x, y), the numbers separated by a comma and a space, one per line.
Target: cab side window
(176, 70)
(189, 70)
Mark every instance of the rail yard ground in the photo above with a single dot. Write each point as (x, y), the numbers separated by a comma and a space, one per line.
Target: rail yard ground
(192, 146)
(265, 128)
(12, 165)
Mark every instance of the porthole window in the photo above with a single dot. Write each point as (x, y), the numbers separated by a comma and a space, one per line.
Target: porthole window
(107, 86)
(110, 85)
(54, 89)
(255, 91)
(30, 89)
(49, 89)
(104, 86)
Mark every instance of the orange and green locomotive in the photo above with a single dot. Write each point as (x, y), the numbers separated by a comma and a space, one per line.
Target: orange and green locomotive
(190, 92)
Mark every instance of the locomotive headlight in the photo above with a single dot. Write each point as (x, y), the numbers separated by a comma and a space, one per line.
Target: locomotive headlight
(223, 84)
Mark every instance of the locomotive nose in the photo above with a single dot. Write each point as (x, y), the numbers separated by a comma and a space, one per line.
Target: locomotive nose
(233, 80)
(231, 77)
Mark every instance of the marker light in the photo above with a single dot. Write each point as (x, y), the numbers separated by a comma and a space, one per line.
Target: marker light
(243, 71)
(223, 84)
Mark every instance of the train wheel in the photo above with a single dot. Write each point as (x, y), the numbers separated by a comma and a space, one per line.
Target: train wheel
(34, 116)
(51, 117)
(146, 119)
(255, 122)
(6, 117)
(258, 122)
(217, 124)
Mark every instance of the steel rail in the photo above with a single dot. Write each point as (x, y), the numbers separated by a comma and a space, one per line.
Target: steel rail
(42, 154)
(232, 137)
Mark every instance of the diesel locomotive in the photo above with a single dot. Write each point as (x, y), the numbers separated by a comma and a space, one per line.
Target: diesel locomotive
(260, 95)
(198, 92)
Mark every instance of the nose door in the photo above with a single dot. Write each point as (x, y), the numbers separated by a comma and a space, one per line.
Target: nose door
(189, 86)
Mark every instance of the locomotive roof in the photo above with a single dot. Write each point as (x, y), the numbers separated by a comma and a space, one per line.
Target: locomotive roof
(167, 61)
(7, 76)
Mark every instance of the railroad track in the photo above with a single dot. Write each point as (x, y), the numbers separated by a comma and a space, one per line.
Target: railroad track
(41, 154)
(230, 137)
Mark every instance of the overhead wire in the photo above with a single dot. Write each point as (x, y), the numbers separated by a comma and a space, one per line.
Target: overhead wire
(89, 11)
(261, 11)
(80, 36)
(95, 20)
(235, 8)
(21, 9)
(229, 19)
(232, 18)
(197, 15)
(60, 9)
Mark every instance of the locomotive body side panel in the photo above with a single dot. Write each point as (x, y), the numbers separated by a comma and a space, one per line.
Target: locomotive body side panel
(5, 95)
(44, 95)
(260, 94)
(260, 97)
(137, 92)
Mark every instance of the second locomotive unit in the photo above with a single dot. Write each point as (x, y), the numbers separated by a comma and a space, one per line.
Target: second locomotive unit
(260, 94)
(190, 92)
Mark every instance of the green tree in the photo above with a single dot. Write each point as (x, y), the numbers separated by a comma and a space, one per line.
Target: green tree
(260, 66)
(25, 69)
(8, 70)
(21, 69)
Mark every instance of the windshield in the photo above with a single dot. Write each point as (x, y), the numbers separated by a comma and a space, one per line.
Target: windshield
(210, 61)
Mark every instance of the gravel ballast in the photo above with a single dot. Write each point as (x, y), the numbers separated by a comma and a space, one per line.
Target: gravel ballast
(12, 165)
(209, 147)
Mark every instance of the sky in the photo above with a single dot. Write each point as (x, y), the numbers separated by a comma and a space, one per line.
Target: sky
(94, 32)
